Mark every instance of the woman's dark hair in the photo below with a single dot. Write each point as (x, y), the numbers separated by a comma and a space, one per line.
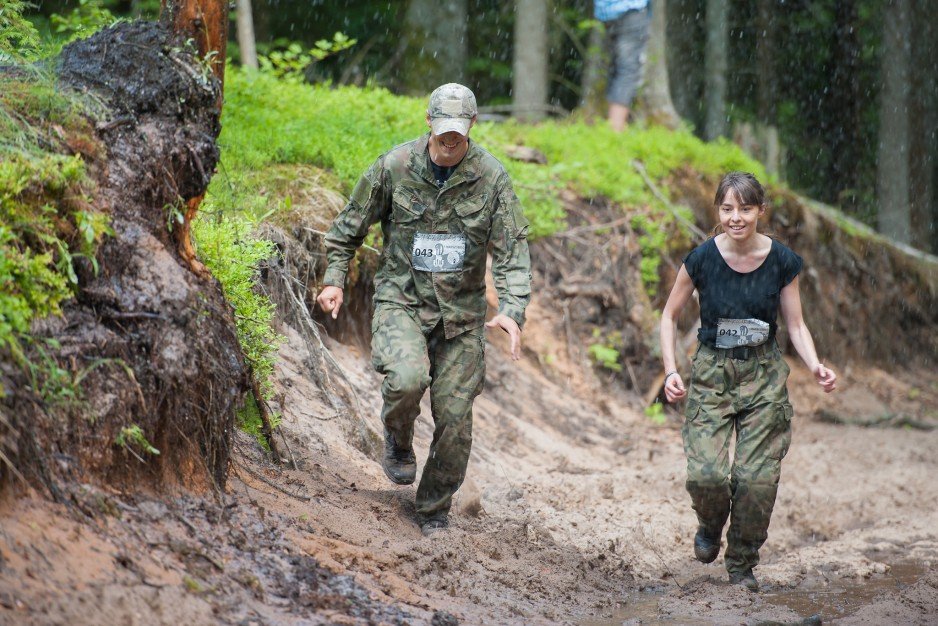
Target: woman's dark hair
(744, 185)
(747, 190)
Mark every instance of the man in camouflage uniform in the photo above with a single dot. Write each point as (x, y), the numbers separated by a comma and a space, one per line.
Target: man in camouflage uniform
(750, 397)
(442, 202)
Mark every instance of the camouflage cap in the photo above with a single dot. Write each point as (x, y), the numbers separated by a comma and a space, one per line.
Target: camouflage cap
(451, 108)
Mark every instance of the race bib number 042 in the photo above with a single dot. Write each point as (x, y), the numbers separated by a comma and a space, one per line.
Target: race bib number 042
(735, 333)
(438, 252)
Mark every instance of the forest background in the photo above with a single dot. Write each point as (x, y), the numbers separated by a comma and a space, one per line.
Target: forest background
(838, 98)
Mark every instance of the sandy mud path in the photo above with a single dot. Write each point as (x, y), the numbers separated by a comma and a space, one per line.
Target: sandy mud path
(574, 512)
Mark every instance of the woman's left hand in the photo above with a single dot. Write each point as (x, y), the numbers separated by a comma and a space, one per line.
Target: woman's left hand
(825, 377)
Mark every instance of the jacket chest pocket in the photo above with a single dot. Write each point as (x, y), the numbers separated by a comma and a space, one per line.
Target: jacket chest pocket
(476, 222)
(407, 217)
(406, 207)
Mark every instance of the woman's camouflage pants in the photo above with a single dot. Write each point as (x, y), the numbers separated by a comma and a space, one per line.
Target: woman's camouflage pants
(747, 397)
(413, 358)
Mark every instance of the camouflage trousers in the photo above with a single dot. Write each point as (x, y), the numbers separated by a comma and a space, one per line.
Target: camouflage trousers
(748, 397)
(413, 358)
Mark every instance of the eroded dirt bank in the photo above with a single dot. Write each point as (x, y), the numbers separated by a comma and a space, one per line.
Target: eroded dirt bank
(574, 512)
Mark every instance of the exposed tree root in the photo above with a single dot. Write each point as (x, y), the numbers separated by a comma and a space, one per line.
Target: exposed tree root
(287, 283)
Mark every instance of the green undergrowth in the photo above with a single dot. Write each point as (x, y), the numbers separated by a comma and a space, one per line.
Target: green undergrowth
(47, 220)
(228, 248)
(270, 123)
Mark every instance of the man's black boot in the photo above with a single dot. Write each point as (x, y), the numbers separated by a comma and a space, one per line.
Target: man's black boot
(746, 578)
(706, 545)
(400, 464)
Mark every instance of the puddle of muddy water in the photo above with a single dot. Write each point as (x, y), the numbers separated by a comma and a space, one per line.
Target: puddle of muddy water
(640, 608)
(844, 597)
(837, 600)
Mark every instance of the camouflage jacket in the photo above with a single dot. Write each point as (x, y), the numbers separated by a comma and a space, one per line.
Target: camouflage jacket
(478, 201)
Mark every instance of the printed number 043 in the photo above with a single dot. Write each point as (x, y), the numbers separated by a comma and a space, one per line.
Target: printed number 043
(427, 252)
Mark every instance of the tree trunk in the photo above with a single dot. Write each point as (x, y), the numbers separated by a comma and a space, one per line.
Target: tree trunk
(529, 81)
(684, 35)
(436, 45)
(766, 89)
(892, 174)
(246, 34)
(923, 149)
(206, 23)
(592, 72)
(657, 85)
(841, 129)
(715, 66)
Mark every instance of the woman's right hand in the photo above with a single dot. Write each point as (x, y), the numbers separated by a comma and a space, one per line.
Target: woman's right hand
(674, 388)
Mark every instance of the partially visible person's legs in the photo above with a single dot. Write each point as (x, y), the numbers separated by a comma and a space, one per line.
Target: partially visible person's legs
(618, 116)
(399, 351)
(628, 35)
(762, 440)
(458, 373)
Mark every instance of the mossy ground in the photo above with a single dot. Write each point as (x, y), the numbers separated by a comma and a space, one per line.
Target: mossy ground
(47, 221)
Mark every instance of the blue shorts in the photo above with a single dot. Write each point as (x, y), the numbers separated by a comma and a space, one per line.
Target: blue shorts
(628, 36)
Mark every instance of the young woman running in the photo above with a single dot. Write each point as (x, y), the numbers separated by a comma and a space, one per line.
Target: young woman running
(738, 379)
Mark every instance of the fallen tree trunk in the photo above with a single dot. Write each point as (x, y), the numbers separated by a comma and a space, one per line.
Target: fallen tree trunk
(155, 344)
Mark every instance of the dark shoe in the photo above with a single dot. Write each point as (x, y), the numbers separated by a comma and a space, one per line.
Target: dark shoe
(706, 546)
(433, 525)
(745, 578)
(400, 464)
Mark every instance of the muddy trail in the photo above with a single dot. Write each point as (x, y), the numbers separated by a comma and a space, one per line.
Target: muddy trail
(574, 512)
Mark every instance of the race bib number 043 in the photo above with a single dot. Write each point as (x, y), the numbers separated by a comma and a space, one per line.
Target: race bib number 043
(438, 253)
(735, 333)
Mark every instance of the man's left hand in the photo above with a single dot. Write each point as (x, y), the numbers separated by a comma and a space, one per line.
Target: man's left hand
(511, 327)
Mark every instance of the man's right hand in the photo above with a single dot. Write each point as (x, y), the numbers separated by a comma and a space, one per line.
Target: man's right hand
(330, 300)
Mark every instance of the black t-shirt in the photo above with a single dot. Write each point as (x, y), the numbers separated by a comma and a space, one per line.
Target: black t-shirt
(441, 173)
(726, 293)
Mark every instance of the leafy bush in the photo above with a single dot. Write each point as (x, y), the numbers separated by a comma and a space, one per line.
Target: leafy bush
(603, 350)
(292, 63)
(88, 17)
